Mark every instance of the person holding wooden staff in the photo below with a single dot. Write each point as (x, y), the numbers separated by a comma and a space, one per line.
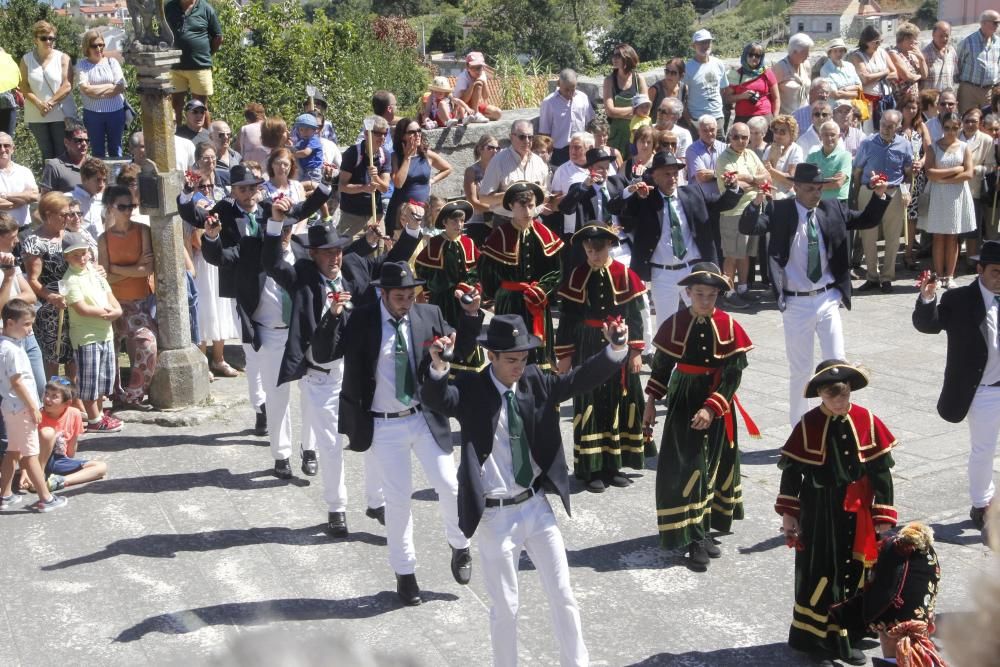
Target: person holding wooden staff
(363, 170)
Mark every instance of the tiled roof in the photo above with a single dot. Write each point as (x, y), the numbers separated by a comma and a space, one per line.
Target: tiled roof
(822, 7)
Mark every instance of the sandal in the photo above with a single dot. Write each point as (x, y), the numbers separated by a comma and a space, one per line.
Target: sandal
(222, 369)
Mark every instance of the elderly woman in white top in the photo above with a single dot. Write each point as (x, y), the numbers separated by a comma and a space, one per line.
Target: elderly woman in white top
(840, 72)
(45, 83)
(102, 86)
(793, 73)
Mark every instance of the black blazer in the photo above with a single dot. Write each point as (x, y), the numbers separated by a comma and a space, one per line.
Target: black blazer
(642, 218)
(305, 284)
(358, 338)
(780, 219)
(582, 201)
(473, 400)
(962, 314)
(231, 246)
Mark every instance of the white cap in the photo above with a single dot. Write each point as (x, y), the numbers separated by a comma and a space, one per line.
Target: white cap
(702, 36)
(640, 99)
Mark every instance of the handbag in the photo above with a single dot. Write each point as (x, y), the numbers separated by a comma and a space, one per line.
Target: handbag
(130, 113)
(863, 105)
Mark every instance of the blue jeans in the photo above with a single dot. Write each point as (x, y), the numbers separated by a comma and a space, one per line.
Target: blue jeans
(193, 308)
(105, 127)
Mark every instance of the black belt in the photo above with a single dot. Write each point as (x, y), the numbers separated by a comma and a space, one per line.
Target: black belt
(809, 293)
(536, 486)
(267, 327)
(314, 367)
(674, 267)
(397, 415)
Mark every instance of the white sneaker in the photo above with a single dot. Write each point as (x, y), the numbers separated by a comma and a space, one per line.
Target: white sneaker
(11, 501)
(451, 122)
(479, 118)
(54, 503)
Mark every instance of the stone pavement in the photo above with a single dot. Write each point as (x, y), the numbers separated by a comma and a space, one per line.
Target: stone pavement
(191, 545)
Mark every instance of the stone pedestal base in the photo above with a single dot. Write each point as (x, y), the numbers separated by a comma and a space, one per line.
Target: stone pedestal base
(181, 379)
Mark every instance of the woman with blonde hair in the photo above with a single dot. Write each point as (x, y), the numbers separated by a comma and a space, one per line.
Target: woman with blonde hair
(784, 153)
(911, 65)
(46, 84)
(102, 87)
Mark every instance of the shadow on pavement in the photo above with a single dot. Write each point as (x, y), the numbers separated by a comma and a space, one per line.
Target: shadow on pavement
(185, 481)
(271, 611)
(765, 457)
(640, 553)
(767, 655)
(765, 545)
(168, 545)
(962, 533)
(117, 442)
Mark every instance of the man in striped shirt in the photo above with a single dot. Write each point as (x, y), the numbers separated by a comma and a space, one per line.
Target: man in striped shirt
(979, 63)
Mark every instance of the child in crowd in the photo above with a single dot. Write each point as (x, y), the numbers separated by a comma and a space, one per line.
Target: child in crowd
(309, 150)
(641, 107)
(94, 309)
(20, 411)
(835, 500)
(601, 131)
(440, 109)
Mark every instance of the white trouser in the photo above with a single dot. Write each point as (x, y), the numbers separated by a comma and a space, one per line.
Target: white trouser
(649, 327)
(503, 533)
(806, 317)
(320, 396)
(392, 443)
(255, 384)
(276, 398)
(666, 292)
(984, 426)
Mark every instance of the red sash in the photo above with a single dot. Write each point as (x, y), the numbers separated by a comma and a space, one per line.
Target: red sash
(859, 499)
(752, 429)
(537, 312)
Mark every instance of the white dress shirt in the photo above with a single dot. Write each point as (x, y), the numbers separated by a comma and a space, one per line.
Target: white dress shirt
(269, 309)
(664, 252)
(385, 369)
(991, 374)
(797, 268)
(559, 118)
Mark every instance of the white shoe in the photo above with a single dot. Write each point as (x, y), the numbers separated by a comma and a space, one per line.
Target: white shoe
(479, 118)
(452, 122)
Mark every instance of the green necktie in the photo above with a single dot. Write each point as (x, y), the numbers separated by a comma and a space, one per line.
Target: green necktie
(253, 229)
(676, 233)
(814, 270)
(405, 382)
(520, 456)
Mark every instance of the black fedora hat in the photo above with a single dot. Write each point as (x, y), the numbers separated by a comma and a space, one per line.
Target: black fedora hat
(519, 187)
(448, 209)
(396, 275)
(835, 370)
(806, 172)
(595, 155)
(508, 333)
(665, 159)
(989, 253)
(706, 273)
(593, 231)
(318, 237)
(240, 175)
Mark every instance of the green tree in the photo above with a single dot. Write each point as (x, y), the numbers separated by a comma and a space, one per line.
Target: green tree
(552, 31)
(447, 32)
(655, 28)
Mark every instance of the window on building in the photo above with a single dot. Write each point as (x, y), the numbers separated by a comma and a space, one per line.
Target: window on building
(802, 27)
(829, 27)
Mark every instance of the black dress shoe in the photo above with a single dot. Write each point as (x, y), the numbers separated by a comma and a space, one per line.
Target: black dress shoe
(869, 286)
(283, 469)
(407, 589)
(857, 657)
(336, 524)
(617, 479)
(377, 513)
(260, 426)
(310, 466)
(886, 287)
(978, 516)
(461, 565)
(696, 557)
(711, 549)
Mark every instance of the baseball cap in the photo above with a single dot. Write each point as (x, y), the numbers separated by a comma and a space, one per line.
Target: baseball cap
(474, 59)
(194, 104)
(640, 99)
(702, 36)
(307, 120)
(74, 241)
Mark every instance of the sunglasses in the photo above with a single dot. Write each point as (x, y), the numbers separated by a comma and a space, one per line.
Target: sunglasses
(820, 114)
(207, 187)
(97, 46)
(525, 137)
(80, 140)
(47, 39)
(492, 148)
(411, 132)
(125, 207)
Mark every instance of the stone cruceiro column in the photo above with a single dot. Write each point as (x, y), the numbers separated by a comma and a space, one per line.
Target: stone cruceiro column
(181, 377)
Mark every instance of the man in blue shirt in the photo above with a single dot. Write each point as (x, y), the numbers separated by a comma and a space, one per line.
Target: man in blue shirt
(705, 77)
(890, 154)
